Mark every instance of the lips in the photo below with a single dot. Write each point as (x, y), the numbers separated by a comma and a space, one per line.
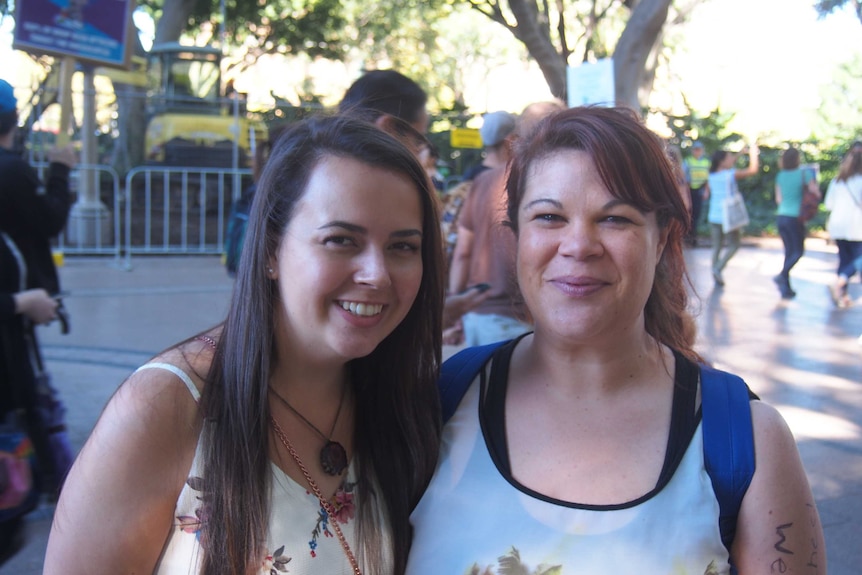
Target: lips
(361, 309)
(578, 285)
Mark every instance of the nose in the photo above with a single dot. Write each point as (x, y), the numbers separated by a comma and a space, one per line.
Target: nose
(373, 269)
(581, 240)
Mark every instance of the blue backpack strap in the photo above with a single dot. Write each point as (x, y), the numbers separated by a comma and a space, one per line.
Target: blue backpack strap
(457, 373)
(728, 443)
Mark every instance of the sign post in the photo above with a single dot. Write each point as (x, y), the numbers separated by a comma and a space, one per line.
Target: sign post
(92, 32)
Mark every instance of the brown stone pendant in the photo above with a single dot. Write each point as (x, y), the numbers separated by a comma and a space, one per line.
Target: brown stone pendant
(333, 458)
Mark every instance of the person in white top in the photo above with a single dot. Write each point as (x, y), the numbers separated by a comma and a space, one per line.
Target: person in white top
(721, 182)
(844, 201)
(571, 453)
(317, 426)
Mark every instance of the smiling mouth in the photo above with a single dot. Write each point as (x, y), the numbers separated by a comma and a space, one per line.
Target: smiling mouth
(361, 309)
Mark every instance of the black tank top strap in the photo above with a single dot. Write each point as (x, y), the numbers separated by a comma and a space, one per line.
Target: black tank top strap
(685, 416)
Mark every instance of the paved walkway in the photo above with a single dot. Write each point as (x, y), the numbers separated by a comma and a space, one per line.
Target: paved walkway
(802, 356)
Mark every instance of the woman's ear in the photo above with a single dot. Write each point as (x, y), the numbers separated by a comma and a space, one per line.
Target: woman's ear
(387, 123)
(662, 242)
(401, 131)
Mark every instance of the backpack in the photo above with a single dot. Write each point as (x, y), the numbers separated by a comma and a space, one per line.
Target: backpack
(237, 222)
(728, 438)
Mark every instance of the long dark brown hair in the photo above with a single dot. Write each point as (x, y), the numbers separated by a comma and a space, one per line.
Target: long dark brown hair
(397, 425)
(633, 164)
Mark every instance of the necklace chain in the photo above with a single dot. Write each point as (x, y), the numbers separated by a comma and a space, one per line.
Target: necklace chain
(308, 423)
(354, 565)
(327, 506)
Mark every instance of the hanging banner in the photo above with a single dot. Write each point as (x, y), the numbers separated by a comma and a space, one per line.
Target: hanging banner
(591, 83)
(94, 31)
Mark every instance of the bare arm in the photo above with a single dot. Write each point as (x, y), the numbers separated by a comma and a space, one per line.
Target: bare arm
(753, 163)
(460, 270)
(457, 304)
(117, 505)
(778, 529)
(777, 194)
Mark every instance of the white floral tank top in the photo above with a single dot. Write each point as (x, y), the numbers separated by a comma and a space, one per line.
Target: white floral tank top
(300, 540)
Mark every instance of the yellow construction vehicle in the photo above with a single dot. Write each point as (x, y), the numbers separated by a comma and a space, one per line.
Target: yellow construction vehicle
(191, 121)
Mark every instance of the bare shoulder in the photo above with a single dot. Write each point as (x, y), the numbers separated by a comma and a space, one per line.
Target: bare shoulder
(778, 528)
(133, 465)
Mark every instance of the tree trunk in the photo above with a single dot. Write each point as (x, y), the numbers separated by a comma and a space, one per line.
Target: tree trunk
(174, 19)
(128, 149)
(132, 100)
(633, 48)
(529, 31)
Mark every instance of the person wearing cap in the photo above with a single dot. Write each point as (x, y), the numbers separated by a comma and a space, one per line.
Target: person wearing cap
(485, 249)
(497, 131)
(696, 168)
(29, 220)
(497, 127)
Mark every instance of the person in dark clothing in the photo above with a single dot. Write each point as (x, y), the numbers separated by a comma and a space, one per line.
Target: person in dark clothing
(237, 220)
(29, 220)
(19, 308)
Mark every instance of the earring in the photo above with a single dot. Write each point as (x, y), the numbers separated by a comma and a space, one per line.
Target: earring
(269, 270)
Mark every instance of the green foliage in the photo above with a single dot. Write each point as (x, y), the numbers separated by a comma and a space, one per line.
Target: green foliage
(825, 7)
(839, 116)
(759, 190)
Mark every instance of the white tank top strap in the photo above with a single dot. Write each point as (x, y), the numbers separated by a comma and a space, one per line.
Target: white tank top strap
(176, 371)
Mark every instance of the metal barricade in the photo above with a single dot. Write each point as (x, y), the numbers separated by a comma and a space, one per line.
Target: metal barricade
(93, 227)
(179, 210)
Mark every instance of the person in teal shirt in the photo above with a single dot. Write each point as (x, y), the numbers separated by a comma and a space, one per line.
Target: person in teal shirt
(790, 184)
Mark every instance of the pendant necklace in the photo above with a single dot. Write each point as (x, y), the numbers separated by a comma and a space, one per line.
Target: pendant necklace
(333, 457)
(327, 506)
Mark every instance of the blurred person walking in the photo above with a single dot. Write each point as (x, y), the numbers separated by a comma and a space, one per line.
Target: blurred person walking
(31, 217)
(696, 168)
(20, 310)
(791, 183)
(844, 202)
(722, 184)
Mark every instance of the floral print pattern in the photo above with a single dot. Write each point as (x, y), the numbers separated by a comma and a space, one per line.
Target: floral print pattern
(343, 507)
(276, 562)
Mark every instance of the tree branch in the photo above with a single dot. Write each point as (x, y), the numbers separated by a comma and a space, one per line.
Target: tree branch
(491, 9)
(634, 46)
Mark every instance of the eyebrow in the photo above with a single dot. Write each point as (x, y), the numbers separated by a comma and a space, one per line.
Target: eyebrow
(554, 203)
(608, 205)
(410, 232)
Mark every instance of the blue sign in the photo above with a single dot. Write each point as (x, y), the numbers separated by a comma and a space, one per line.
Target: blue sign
(90, 30)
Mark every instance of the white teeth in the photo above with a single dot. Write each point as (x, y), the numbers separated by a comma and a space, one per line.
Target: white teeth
(364, 309)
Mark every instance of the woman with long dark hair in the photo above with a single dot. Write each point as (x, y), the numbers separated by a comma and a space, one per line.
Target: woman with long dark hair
(318, 421)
